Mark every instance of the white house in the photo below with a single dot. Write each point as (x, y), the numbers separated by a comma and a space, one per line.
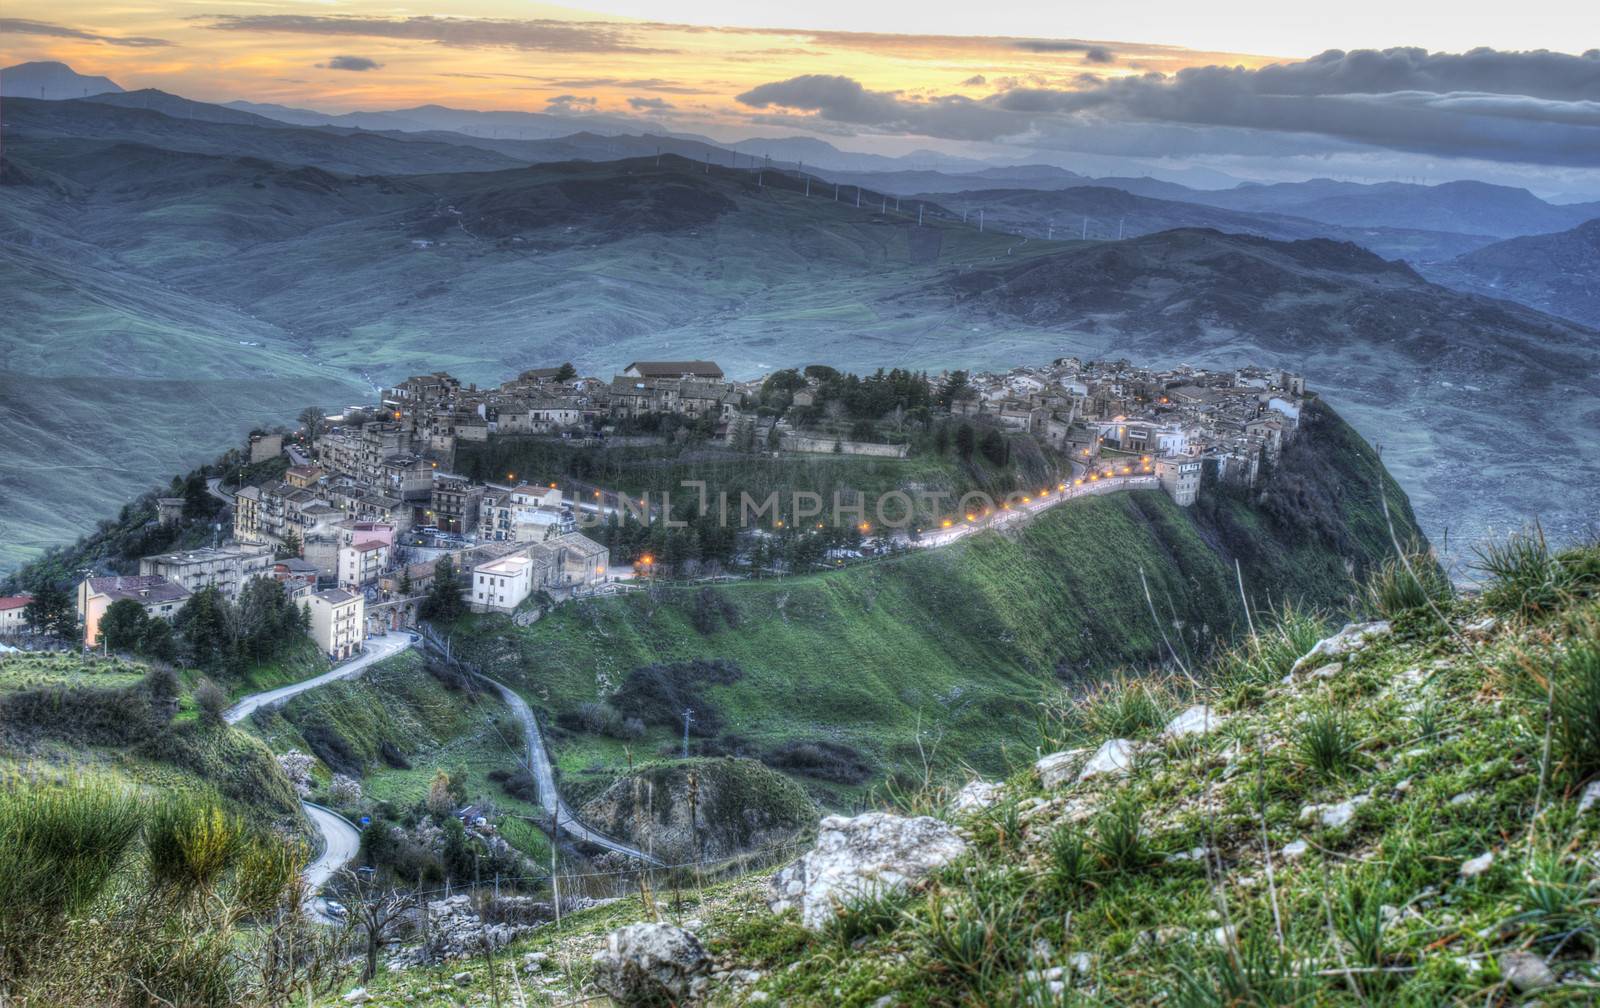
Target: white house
(501, 585)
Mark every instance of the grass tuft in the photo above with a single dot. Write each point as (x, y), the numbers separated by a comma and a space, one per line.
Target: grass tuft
(1393, 590)
(1326, 743)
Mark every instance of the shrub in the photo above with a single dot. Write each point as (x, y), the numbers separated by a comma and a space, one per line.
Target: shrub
(822, 759)
(191, 843)
(211, 700)
(344, 791)
(60, 847)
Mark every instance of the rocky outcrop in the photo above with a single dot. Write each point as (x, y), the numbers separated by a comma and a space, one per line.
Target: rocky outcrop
(652, 964)
(454, 929)
(702, 810)
(858, 857)
(1352, 638)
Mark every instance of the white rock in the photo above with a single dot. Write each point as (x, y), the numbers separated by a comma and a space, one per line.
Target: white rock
(1477, 866)
(1295, 850)
(1081, 962)
(462, 979)
(1525, 971)
(1114, 757)
(1591, 795)
(862, 856)
(648, 964)
(975, 797)
(1197, 720)
(1225, 935)
(357, 996)
(1465, 797)
(1352, 638)
(1327, 671)
(1192, 854)
(1333, 816)
(1056, 769)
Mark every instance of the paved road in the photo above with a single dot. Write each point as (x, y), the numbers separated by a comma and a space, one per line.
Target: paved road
(341, 841)
(1022, 511)
(378, 648)
(214, 487)
(545, 777)
(338, 838)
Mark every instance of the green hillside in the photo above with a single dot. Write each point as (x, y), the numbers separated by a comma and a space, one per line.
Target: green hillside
(842, 677)
(1409, 825)
(72, 716)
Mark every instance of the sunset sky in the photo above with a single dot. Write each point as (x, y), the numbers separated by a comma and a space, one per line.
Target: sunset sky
(1010, 79)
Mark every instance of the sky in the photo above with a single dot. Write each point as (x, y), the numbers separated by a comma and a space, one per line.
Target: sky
(1252, 89)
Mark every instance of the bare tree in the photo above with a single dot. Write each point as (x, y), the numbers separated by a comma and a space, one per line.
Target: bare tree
(378, 912)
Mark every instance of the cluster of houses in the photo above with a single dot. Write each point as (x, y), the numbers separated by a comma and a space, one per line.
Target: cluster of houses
(434, 413)
(340, 531)
(1188, 424)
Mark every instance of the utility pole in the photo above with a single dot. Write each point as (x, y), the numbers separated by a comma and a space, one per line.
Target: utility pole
(1086, 228)
(688, 715)
(980, 222)
(919, 215)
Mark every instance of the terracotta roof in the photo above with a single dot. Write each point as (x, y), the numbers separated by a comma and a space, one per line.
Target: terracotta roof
(14, 602)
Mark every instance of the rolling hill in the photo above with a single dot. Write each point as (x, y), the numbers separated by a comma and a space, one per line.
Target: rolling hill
(1556, 273)
(199, 237)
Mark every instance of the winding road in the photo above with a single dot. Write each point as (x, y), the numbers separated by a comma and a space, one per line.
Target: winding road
(340, 840)
(545, 778)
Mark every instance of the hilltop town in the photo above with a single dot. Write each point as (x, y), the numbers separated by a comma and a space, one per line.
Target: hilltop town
(357, 510)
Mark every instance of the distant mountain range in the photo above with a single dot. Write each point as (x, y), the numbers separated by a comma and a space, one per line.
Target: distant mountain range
(187, 270)
(50, 81)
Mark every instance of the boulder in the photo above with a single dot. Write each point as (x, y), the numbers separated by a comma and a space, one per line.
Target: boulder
(1525, 971)
(1114, 758)
(1352, 638)
(1058, 768)
(1197, 720)
(975, 797)
(651, 964)
(863, 856)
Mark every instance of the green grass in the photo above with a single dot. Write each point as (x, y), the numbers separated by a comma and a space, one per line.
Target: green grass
(943, 656)
(952, 646)
(396, 707)
(1373, 912)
